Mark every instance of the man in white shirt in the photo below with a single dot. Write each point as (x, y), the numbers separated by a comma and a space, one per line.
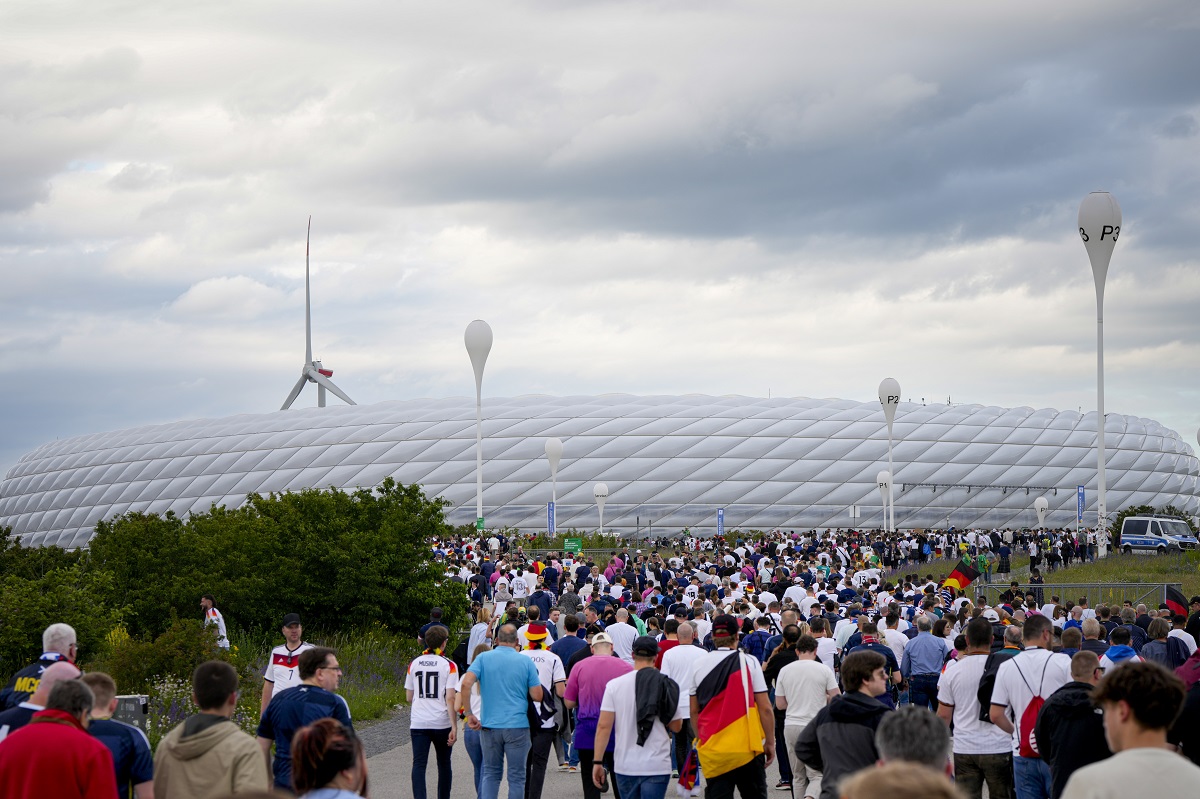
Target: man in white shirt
(213, 616)
(1036, 672)
(622, 634)
(679, 663)
(283, 671)
(802, 689)
(642, 764)
(1140, 702)
(552, 676)
(826, 647)
(982, 751)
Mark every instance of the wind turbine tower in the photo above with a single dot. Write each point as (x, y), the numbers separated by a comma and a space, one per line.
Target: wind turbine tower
(312, 371)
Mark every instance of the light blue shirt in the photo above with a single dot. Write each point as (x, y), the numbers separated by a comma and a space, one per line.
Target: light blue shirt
(505, 677)
(923, 655)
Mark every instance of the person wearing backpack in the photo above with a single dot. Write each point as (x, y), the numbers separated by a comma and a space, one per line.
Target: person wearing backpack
(1023, 684)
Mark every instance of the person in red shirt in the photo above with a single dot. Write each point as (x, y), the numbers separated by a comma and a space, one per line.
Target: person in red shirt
(53, 755)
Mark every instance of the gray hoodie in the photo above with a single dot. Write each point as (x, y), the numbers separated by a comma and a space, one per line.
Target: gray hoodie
(207, 757)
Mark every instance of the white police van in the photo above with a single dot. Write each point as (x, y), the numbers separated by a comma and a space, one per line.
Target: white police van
(1155, 535)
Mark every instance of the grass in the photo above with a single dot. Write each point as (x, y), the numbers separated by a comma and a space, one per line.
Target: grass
(941, 567)
(1183, 569)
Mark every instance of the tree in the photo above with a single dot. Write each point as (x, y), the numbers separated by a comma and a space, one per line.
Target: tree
(341, 560)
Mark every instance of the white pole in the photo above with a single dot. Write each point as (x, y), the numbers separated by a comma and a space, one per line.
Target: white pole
(1099, 227)
(554, 450)
(891, 490)
(478, 340)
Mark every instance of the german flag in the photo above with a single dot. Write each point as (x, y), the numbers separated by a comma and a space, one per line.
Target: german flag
(1177, 602)
(729, 732)
(963, 575)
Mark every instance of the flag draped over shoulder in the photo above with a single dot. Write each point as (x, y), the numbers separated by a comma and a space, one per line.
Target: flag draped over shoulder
(1176, 601)
(962, 576)
(728, 730)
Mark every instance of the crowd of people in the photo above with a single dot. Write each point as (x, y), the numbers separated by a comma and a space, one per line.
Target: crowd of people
(810, 658)
(827, 666)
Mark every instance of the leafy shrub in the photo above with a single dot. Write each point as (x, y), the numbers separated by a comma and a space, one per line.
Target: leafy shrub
(339, 559)
(135, 664)
(170, 703)
(41, 588)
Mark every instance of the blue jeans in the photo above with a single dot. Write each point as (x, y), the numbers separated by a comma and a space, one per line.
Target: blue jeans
(640, 787)
(498, 744)
(922, 690)
(474, 747)
(1031, 777)
(422, 739)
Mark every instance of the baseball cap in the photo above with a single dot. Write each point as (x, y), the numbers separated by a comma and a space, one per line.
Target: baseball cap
(601, 638)
(726, 625)
(645, 646)
(991, 615)
(290, 619)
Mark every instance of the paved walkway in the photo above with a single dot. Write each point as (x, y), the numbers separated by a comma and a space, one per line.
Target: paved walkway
(390, 770)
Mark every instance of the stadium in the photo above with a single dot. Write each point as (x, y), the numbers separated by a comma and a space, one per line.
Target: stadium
(669, 463)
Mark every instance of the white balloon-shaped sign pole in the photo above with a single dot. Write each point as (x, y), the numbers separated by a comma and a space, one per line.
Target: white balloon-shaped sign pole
(889, 398)
(554, 450)
(883, 481)
(1099, 227)
(478, 339)
(600, 492)
(1040, 504)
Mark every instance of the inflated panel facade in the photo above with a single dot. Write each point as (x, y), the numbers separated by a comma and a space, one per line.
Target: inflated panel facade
(669, 462)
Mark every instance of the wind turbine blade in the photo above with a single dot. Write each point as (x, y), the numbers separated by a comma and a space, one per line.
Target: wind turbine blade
(322, 380)
(307, 303)
(287, 403)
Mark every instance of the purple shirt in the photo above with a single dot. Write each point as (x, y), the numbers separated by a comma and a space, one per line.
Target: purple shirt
(586, 686)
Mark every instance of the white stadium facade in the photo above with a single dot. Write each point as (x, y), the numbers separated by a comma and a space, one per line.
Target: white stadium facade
(669, 462)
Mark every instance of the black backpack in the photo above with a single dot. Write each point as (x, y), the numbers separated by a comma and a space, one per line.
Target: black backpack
(987, 683)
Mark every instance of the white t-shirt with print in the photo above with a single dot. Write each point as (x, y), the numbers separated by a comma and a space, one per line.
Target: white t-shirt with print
(550, 673)
(429, 677)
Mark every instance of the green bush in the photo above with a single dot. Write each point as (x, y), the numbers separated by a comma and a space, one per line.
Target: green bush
(339, 559)
(135, 663)
(44, 586)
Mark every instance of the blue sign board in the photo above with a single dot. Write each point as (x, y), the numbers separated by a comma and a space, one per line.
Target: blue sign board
(550, 525)
(720, 521)
(1079, 503)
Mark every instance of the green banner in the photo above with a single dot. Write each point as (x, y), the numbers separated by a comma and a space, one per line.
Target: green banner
(572, 544)
(479, 523)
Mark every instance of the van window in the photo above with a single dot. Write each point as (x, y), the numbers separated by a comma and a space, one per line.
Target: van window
(1155, 528)
(1134, 527)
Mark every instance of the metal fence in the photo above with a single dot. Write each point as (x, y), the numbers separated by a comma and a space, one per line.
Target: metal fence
(1150, 594)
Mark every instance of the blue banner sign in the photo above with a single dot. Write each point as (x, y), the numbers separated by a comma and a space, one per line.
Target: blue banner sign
(1079, 502)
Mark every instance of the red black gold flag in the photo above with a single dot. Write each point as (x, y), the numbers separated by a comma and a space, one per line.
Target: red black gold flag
(1176, 601)
(729, 731)
(962, 576)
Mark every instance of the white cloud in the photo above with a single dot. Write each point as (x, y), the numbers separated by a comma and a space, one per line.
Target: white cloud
(640, 197)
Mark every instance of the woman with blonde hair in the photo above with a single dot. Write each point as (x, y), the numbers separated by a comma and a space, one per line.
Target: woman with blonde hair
(481, 632)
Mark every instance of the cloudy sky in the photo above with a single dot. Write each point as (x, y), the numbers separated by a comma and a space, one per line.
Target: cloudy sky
(784, 198)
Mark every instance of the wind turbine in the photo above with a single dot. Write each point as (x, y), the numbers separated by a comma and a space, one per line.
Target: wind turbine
(312, 371)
